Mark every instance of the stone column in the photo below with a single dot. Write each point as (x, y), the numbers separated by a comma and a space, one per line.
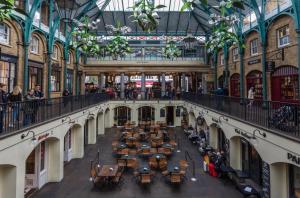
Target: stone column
(183, 85)
(102, 81)
(122, 94)
(204, 84)
(163, 85)
(143, 85)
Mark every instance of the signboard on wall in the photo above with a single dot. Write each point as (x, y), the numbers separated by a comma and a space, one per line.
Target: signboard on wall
(255, 61)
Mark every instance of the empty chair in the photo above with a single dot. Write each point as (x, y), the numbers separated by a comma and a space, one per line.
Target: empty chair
(145, 178)
(132, 163)
(163, 164)
(175, 178)
(183, 164)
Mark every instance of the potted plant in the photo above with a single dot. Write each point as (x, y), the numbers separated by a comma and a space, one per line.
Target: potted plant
(171, 50)
(145, 14)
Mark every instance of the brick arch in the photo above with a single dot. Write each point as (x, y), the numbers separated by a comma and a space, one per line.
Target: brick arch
(278, 17)
(42, 37)
(16, 27)
(252, 31)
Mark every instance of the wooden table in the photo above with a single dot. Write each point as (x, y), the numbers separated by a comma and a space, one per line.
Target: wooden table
(107, 172)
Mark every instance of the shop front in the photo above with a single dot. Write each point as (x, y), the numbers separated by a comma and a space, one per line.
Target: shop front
(146, 114)
(68, 146)
(35, 74)
(294, 181)
(8, 67)
(285, 86)
(122, 115)
(251, 162)
(254, 79)
(223, 145)
(235, 85)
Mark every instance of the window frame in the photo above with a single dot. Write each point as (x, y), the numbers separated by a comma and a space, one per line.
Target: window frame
(236, 49)
(222, 59)
(55, 53)
(31, 44)
(7, 34)
(57, 74)
(251, 47)
(279, 45)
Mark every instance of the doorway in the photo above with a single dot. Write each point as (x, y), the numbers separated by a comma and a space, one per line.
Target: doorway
(170, 115)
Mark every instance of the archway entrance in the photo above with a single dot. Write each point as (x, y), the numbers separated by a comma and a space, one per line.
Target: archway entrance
(170, 115)
(146, 113)
(251, 162)
(122, 115)
(68, 146)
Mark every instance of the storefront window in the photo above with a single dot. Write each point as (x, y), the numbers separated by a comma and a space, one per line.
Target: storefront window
(42, 154)
(35, 77)
(254, 79)
(235, 54)
(55, 80)
(294, 181)
(235, 85)
(70, 80)
(30, 163)
(7, 74)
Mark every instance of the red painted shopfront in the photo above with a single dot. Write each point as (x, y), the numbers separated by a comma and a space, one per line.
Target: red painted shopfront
(254, 79)
(285, 84)
(235, 85)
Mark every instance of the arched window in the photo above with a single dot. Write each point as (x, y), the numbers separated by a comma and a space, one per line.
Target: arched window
(34, 45)
(4, 34)
(55, 52)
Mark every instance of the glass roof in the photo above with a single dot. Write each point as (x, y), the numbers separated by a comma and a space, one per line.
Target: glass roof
(125, 5)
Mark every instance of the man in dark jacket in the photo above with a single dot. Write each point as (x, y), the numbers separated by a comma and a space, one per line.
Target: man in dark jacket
(3, 103)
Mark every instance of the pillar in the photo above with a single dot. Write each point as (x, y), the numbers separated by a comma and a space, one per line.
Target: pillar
(122, 94)
(235, 153)
(279, 177)
(298, 39)
(55, 165)
(204, 83)
(100, 121)
(134, 115)
(143, 86)
(163, 84)
(82, 83)
(92, 131)
(77, 142)
(213, 137)
(183, 85)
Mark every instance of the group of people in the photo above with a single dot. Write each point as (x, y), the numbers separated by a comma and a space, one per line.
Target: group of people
(11, 103)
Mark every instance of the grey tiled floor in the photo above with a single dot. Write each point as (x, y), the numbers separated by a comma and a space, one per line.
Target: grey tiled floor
(76, 178)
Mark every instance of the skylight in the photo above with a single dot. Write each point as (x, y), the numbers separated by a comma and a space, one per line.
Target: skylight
(125, 5)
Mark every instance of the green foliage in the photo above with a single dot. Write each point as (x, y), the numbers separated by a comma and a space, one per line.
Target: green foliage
(6, 7)
(171, 51)
(118, 47)
(145, 14)
(85, 40)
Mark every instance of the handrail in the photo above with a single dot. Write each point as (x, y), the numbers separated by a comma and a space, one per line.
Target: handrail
(188, 157)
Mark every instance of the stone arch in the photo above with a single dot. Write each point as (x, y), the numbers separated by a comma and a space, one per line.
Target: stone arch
(100, 123)
(192, 119)
(122, 114)
(107, 118)
(250, 32)
(77, 142)
(8, 180)
(146, 113)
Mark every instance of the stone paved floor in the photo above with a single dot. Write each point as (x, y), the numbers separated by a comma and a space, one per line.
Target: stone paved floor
(76, 178)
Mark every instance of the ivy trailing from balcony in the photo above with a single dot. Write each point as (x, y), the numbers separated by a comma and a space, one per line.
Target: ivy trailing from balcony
(6, 8)
(118, 46)
(86, 40)
(145, 14)
(222, 24)
(171, 51)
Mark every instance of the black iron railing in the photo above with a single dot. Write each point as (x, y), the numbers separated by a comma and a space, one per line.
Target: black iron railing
(19, 115)
(279, 116)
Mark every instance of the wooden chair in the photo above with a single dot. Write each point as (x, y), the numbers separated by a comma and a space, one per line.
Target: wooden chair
(165, 173)
(167, 151)
(132, 163)
(121, 162)
(163, 163)
(153, 162)
(173, 143)
(123, 151)
(175, 178)
(117, 178)
(153, 150)
(145, 179)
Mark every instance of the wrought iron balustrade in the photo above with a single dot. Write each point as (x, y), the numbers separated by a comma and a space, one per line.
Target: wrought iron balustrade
(278, 116)
(18, 115)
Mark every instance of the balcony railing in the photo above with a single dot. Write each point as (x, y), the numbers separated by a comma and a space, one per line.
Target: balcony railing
(20, 115)
(278, 116)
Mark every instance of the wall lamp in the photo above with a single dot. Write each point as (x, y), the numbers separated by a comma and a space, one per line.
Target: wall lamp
(224, 118)
(263, 134)
(33, 139)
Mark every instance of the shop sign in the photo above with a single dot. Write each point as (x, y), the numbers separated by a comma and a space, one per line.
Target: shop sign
(252, 62)
(42, 137)
(8, 58)
(293, 158)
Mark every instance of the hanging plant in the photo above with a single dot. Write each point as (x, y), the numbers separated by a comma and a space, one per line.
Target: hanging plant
(87, 41)
(222, 33)
(191, 4)
(6, 8)
(118, 46)
(145, 14)
(171, 51)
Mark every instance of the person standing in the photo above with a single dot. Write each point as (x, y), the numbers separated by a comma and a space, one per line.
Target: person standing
(3, 103)
(66, 95)
(14, 98)
(38, 94)
(29, 108)
(251, 96)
